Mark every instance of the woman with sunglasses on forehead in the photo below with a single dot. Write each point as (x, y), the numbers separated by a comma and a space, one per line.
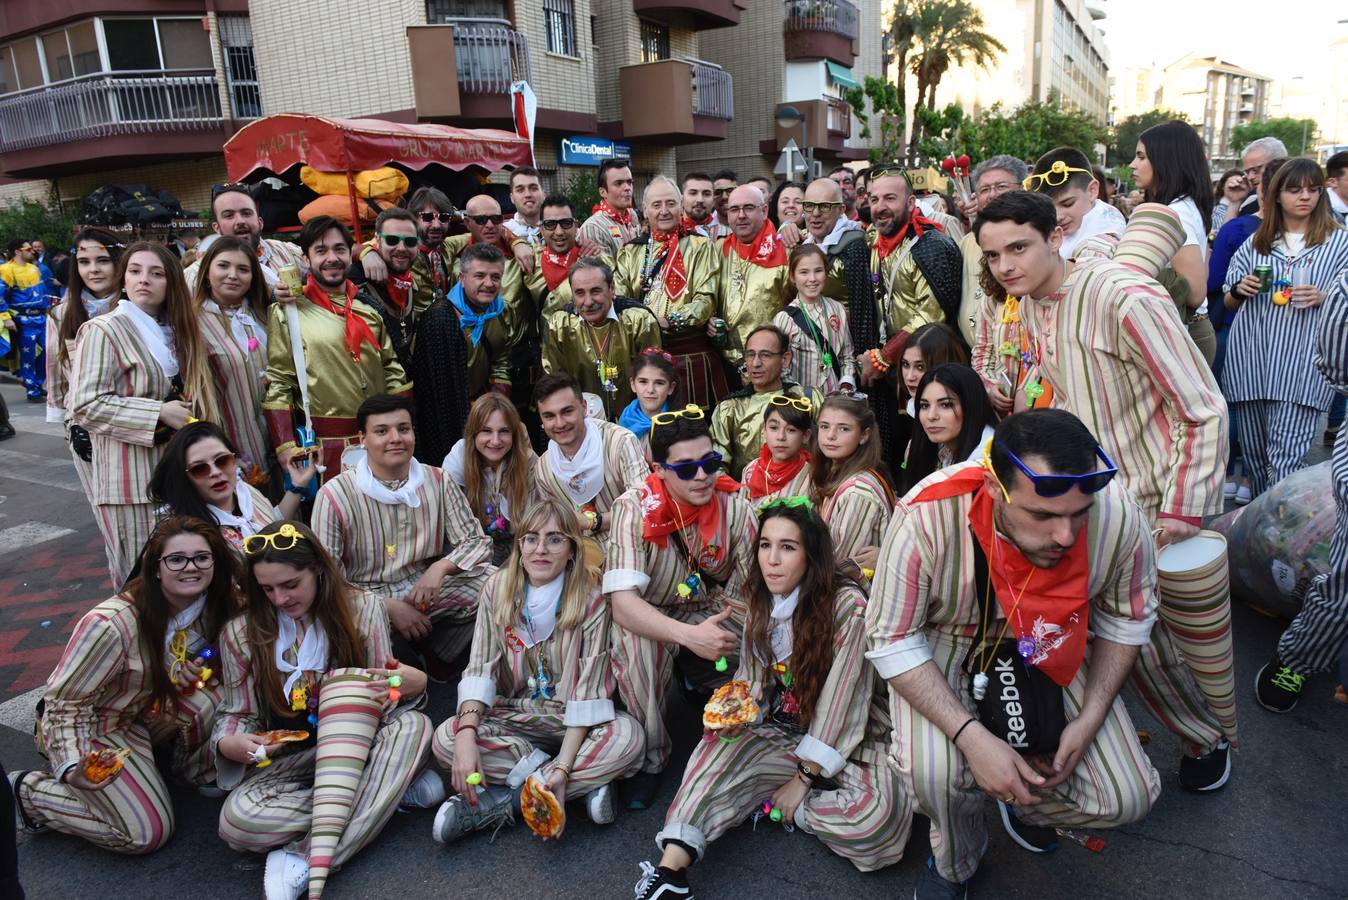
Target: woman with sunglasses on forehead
(140, 674)
(199, 476)
(815, 759)
(309, 653)
(851, 484)
(782, 468)
(535, 695)
(493, 464)
(822, 358)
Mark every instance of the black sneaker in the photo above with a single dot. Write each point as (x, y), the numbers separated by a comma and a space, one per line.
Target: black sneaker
(1035, 838)
(934, 887)
(662, 884)
(1277, 687)
(640, 789)
(1208, 772)
(6, 431)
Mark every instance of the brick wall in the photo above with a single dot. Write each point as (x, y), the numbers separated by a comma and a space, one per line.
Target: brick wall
(560, 82)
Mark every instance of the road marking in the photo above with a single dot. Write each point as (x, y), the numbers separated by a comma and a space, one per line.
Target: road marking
(56, 473)
(18, 713)
(29, 534)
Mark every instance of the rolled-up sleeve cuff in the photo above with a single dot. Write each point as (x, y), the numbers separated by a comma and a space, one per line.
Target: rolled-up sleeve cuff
(587, 713)
(59, 772)
(901, 656)
(625, 580)
(479, 688)
(1130, 632)
(830, 760)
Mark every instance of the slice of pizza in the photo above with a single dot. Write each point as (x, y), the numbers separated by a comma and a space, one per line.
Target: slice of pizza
(100, 765)
(542, 813)
(283, 736)
(731, 705)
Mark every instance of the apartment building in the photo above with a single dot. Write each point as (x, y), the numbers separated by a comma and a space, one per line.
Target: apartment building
(1216, 95)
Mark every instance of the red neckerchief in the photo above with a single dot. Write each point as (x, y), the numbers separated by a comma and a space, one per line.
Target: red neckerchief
(623, 218)
(767, 250)
(916, 221)
(436, 260)
(556, 266)
(399, 287)
(674, 276)
(690, 227)
(770, 476)
(662, 515)
(1053, 603)
(357, 329)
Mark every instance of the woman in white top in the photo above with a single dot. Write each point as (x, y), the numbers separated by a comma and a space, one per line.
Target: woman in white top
(957, 419)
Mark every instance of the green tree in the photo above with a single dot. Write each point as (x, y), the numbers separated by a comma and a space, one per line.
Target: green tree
(885, 112)
(937, 135)
(948, 33)
(1299, 135)
(37, 220)
(583, 191)
(1031, 130)
(1126, 132)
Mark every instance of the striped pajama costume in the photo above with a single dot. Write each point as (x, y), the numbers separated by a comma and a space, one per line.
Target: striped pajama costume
(386, 547)
(1269, 376)
(239, 379)
(830, 331)
(865, 819)
(117, 390)
(274, 807)
(625, 468)
(926, 608)
(1112, 348)
(643, 666)
(1312, 642)
(58, 391)
(799, 486)
(98, 697)
(858, 513)
(516, 723)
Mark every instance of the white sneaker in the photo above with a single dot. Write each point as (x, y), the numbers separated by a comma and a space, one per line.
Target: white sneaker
(1243, 495)
(1229, 490)
(287, 875)
(526, 767)
(427, 792)
(599, 805)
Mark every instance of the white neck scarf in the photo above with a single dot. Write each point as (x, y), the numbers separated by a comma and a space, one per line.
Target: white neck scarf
(158, 339)
(243, 522)
(583, 475)
(540, 605)
(840, 227)
(181, 622)
(311, 657)
(96, 306)
(241, 320)
(406, 495)
(783, 608)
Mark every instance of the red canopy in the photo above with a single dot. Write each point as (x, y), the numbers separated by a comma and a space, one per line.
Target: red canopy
(351, 145)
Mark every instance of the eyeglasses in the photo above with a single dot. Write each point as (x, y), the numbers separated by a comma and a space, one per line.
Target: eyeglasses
(553, 542)
(495, 219)
(1000, 187)
(1252, 171)
(687, 471)
(692, 412)
(1057, 175)
(746, 208)
(176, 562)
(429, 217)
(723, 192)
(760, 355)
(801, 403)
(551, 224)
(224, 462)
(820, 205)
(283, 539)
(393, 240)
(1054, 485)
(217, 190)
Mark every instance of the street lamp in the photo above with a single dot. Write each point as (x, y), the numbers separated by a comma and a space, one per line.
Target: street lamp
(788, 118)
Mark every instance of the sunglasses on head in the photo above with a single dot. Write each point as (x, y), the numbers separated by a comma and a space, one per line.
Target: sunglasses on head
(429, 217)
(495, 219)
(692, 412)
(283, 539)
(224, 462)
(550, 224)
(239, 186)
(393, 240)
(1055, 485)
(1057, 175)
(687, 471)
(801, 403)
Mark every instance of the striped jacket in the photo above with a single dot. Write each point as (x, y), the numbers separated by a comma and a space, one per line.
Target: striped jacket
(858, 513)
(239, 379)
(625, 468)
(1331, 356)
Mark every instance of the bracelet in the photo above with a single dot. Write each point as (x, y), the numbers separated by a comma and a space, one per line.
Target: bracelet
(955, 739)
(563, 768)
(877, 360)
(804, 780)
(806, 773)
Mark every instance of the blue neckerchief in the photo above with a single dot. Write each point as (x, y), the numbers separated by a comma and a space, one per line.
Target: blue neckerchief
(635, 420)
(474, 320)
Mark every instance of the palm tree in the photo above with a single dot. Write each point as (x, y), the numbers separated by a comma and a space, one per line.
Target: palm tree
(947, 33)
(901, 38)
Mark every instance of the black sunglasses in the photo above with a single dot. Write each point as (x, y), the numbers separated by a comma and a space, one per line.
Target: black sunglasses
(550, 224)
(233, 186)
(496, 219)
(393, 240)
(429, 217)
(687, 471)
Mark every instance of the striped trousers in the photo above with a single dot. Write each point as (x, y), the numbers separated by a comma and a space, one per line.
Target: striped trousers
(1114, 784)
(125, 528)
(1275, 437)
(508, 734)
(865, 819)
(453, 613)
(1167, 687)
(1311, 643)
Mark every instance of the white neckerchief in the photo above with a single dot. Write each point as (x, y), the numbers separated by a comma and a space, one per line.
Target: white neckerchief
(312, 655)
(243, 522)
(158, 339)
(406, 495)
(583, 475)
(182, 620)
(453, 465)
(240, 319)
(541, 602)
(840, 227)
(783, 608)
(96, 306)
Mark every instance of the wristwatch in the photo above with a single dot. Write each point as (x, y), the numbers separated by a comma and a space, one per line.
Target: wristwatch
(805, 772)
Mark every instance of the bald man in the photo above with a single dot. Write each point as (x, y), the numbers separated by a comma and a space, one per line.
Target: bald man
(754, 273)
(827, 225)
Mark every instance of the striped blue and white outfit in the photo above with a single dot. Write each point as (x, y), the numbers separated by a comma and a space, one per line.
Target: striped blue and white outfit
(1276, 393)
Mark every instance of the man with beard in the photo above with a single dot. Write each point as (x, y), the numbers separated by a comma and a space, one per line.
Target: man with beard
(674, 274)
(344, 347)
(754, 273)
(560, 251)
(699, 206)
(722, 183)
(613, 224)
(846, 181)
(828, 227)
(235, 214)
(431, 269)
(737, 422)
(596, 337)
(397, 298)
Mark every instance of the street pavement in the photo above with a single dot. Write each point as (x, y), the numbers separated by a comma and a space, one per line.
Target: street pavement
(1275, 831)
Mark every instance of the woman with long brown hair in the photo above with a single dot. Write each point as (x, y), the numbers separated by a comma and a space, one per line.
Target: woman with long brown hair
(492, 462)
(535, 694)
(851, 484)
(141, 372)
(139, 674)
(311, 654)
(816, 757)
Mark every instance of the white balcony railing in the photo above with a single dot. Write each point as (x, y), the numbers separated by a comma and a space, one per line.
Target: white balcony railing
(834, 16)
(490, 55)
(713, 91)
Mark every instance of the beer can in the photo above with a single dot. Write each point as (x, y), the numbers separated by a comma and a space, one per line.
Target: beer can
(290, 275)
(1265, 274)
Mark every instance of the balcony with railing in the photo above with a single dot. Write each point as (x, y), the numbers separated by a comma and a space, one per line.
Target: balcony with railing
(821, 29)
(462, 69)
(697, 15)
(839, 116)
(681, 101)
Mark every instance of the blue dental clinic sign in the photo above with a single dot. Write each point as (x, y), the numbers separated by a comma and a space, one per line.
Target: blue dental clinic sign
(590, 151)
